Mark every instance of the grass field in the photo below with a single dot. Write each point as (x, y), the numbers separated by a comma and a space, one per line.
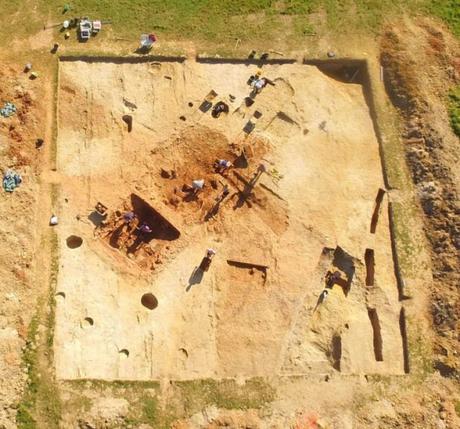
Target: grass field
(223, 21)
(448, 10)
(454, 109)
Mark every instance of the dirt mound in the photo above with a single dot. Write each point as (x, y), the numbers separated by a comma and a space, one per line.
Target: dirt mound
(20, 128)
(194, 157)
(19, 214)
(421, 63)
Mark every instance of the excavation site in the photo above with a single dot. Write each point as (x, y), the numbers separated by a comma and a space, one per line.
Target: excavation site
(230, 214)
(303, 278)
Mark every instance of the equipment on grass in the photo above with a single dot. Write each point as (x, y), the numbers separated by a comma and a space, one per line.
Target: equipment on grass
(85, 28)
(147, 41)
(97, 25)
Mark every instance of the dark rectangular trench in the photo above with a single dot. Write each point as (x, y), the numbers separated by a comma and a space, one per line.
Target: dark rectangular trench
(370, 266)
(378, 345)
(376, 213)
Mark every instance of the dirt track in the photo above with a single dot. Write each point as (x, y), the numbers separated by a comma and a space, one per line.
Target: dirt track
(23, 267)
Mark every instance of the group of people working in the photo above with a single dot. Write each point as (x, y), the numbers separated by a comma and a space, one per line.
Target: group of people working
(221, 166)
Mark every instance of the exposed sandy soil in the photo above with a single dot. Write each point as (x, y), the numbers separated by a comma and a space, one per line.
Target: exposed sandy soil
(317, 194)
(18, 288)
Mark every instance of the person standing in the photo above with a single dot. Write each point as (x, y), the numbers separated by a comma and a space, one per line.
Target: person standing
(206, 261)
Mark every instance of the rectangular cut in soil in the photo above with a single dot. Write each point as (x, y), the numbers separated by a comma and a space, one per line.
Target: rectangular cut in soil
(137, 135)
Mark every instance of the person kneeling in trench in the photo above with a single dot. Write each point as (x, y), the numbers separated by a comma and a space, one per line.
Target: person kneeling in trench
(128, 218)
(145, 229)
(222, 166)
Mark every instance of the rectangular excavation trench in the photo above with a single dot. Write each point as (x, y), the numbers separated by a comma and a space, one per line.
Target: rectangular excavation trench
(336, 351)
(370, 266)
(377, 333)
(376, 213)
(405, 344)
(394, 251)
(354, 72)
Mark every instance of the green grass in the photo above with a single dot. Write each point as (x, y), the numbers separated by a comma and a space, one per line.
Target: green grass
(447, 10)
(457, 408)
(408, 246)
(100, 385)
(201, 20)
(185, 398)
(357, 15)
(219, 22)
(454, 109)
(420, 352)
(228, 19)
(153, 414)
(19, 19)
(41, 398)
(54, 132)
(41, 402)
(54, 270)
(150, 409)
(142, 396)
(205, 20)
(24, 417)
(227, 394)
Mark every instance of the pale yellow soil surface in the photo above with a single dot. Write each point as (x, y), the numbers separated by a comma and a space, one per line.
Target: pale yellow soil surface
(316, 132)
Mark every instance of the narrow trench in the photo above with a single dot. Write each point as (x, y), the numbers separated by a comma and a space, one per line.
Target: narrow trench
(405, 345)
(378, 346)
(370, 265)
(336, 351)
(375, 215)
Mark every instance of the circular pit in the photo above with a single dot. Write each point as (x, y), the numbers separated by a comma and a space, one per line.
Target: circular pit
(124, 353)
(87, 322)
(149, 301)
(74, 241)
